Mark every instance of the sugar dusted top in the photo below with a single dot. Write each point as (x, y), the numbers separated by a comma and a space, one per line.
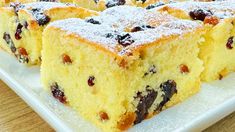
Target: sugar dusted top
(220, 9)
(37, 9)
(123, 28)
(44, 5)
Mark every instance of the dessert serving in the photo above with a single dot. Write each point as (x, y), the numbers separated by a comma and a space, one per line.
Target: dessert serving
(217, 51)
(123, 66)
(22, 25)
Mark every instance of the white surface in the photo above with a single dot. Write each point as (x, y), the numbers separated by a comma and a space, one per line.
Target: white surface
(212, 103)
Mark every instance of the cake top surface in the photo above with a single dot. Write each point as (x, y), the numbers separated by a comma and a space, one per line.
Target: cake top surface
(122, 29)
(37, 9)
(44, 5)
(221, 9)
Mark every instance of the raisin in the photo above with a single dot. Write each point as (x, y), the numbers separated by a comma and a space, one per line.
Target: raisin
(144, 104)
(126, 121)
(96, 1)
(136, 29)
(184, 69)
(199, 14)
(112, 3)
(40, 58)
(151, 70)
(40, 17)
(91, 80)
(16, 6)
(9, 41)
(155, 5)
(123, 63)
(22, 51)
(13, 49)
(66, 59)
(25, 25)
(36, 10)
(7, 38)
(58, 93)
(93, 21)
(143, 1)
(141, 28)
(18, 31)
(229, 43)
(103, 116)
(220, 77)
(109, 35)
(169, 89)
(43, 20)
(22, 55)
(125, 40)
(211, 20)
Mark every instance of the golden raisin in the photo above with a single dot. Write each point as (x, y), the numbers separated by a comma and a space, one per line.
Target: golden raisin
(211, 20)
(184, 69)
(126, 121)
(103, 116)
(22, 51)
(66, 59)
(220, 77)
(123, 63)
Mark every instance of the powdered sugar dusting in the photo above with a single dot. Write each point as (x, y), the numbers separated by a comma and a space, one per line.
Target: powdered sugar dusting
(221, 9)
(37, 9)
(117, 22)
(44, 5)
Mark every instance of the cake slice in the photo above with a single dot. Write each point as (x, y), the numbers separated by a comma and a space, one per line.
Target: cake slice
(100, 5)
(218, 50)
(122, 66)
(22, 26)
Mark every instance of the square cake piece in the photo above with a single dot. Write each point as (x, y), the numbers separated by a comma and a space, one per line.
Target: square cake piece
(123, 66)
(22, 26)
(218, 50)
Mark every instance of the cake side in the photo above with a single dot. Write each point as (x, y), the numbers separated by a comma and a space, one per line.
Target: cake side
(110, 95)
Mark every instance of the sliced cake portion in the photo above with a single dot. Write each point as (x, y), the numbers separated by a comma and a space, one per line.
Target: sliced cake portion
(100, 5)
(122, 66)
(218, 50)
(23, 24)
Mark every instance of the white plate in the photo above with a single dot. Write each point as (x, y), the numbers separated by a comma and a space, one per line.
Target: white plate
(212, 103)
